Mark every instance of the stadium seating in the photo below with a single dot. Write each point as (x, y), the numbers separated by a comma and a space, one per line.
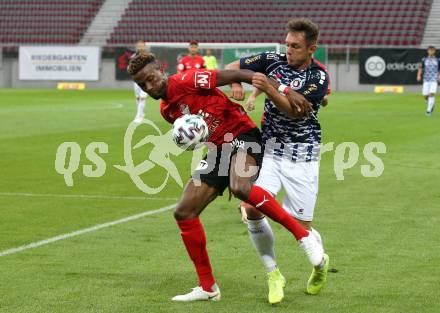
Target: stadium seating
(342, 22)
(45, 21)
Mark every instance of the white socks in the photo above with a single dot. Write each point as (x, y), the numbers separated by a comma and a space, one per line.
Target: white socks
(261, 236)
(140, 108)
(317, 235)
(431, 101)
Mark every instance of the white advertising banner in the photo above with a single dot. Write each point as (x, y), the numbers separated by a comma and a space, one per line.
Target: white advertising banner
(59, 63)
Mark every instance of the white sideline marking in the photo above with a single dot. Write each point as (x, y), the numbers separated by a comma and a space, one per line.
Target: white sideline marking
(57, 108)
(24, 194)
(84, 231)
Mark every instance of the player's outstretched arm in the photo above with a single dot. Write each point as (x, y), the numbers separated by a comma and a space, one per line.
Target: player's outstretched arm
(227, 77)
(293, 105)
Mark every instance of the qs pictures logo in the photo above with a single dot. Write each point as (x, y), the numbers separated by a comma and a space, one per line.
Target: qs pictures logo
(161, 148)
(68, 158)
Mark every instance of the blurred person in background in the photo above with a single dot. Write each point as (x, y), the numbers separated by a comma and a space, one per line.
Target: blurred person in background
(192, 60)
(210, 60)
(429, 68)
(140, 95)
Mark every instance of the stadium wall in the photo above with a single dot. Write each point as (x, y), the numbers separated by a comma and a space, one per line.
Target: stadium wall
(345, 77)
(9, 77)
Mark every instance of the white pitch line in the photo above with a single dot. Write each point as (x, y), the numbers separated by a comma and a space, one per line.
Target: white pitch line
(84, 231)
(57, 108)
(54, 195)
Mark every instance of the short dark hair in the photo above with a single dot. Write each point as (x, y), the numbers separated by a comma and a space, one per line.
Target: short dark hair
(310, 29)
(431, 47)
(193, 42)
(138, 61)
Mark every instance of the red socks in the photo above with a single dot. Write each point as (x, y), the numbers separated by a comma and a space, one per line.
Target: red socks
(266, 204)
(194, 238)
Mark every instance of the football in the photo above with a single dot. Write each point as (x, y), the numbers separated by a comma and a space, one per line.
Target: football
(189, 131)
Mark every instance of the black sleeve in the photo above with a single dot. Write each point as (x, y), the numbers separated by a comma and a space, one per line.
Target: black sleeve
(256, 63)
(316, 87)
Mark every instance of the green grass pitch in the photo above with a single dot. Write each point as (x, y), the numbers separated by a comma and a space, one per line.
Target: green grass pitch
(382, 233)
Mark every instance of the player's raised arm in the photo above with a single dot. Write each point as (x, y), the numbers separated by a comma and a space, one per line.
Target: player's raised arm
(293, 106)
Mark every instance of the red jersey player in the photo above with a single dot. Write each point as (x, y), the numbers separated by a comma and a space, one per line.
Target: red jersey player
(193, 60)
(195, 92)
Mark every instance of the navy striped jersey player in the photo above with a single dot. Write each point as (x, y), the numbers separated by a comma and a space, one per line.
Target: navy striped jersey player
(299, 138)
(431, 69)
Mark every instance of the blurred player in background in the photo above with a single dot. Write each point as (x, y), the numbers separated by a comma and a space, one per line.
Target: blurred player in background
(140, 95)
(192, 60)
(195, 92)
(430, 69)
(298, 171)
(210, 60)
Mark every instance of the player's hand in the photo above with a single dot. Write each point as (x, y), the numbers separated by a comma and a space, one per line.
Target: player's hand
(260, 81)
(237, 92)
(300, 105)
(324, 101)
(419, 78)
(250, 103)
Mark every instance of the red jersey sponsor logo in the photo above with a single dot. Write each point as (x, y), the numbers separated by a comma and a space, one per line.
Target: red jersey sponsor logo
(202, 80)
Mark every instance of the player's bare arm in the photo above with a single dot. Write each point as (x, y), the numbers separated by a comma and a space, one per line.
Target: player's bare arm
(261, 82)
(294, 105)
(227, 77)
(237, 90)
(250, 103)
(419, 74)
(300, 105)
(324, 102)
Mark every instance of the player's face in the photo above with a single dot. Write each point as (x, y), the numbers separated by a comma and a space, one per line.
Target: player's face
(431, 52)
(140, 46)
(193, 49)
(152, 80)
(297, 51)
